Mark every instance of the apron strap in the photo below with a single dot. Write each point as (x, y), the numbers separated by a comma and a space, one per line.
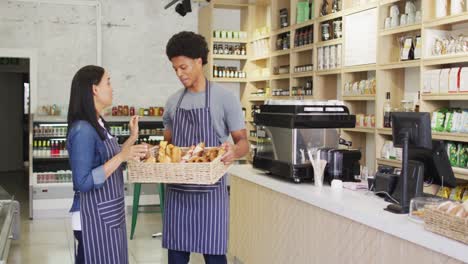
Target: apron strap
(207, 96)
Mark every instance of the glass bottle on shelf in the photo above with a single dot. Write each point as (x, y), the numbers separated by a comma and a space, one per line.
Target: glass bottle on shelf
(215, 71)
(243, 52)
(418, 103)
(215, 49)
(387, 108)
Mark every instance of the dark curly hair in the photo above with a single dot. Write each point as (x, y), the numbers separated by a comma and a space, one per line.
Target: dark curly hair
(188, 44)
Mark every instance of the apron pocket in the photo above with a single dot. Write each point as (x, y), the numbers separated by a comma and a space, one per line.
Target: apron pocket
(112, 212)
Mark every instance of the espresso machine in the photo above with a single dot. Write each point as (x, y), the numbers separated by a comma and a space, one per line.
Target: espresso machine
(286, 132)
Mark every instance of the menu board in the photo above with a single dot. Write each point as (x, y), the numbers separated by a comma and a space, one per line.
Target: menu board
(360, 33)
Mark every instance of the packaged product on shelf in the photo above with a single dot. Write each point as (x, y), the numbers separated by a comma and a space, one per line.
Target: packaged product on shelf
(448, 121)
(338, 55)
(444, 192)
(454, 80)
(464, 121)
(444, 81)
(427, 79)
(456, 121)
(462, 155)
(463, 88)
(438, 118)
(435, 81)
(320, 65)
(465, 194)
(417, 49)
(456, 193)
(326, 58)
(452, 153)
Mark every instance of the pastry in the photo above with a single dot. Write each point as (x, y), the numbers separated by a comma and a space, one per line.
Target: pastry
(198, 159)
(188, 155)
(167, 159)
(444, 206)
(150, 160)
(162, 151)
(454, 210)
(176, 154)
(198, 151)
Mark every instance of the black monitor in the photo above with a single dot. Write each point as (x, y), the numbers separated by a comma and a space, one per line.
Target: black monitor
(437, 167)
(417, 126)
(410, 130)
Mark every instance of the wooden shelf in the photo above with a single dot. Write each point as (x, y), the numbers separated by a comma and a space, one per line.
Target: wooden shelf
(304, 24)
(253, 139)
(304, 48)
(265, 57)
(229, 57)
(258, 98)
(228, 5)
(448, 20)
(387, 2)
(388, 162)
(281, 31)
(259, 79)
(361, 8)
(329, 72)
(446, 59)
(445, 97)
(360, 130)
(460, 137)
(384, 131)
(400, 29)
(259, 38)
(277, 53)
(359, 98)
(222, 40)
(400, 65)
(329, 42)
(459, 173)
(280, 76)
(229, 80)
(330, 16)
(302, 74)
(360, 68)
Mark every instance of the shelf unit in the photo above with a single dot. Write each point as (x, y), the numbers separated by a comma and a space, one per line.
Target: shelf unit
(391, 74)
(53, 198)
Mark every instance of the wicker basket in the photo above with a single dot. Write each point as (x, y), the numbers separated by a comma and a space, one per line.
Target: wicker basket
(447, 225)
(185, 173)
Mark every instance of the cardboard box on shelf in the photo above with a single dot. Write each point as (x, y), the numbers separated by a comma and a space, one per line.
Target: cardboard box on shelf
(463, 87)
(444, 81)
(454, 80)
(435, 76)
(427, 79)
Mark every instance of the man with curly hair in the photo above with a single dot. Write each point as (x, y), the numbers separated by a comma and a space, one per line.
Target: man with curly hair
(196, 217)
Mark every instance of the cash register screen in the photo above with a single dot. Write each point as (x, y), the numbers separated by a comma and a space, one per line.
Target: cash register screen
(437, 168)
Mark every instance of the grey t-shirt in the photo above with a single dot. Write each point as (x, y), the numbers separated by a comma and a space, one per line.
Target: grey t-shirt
(225, 108)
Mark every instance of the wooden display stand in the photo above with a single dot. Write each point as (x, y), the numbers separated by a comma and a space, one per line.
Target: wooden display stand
(390, 72)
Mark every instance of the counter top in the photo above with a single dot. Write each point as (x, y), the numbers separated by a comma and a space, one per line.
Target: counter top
(360, 206)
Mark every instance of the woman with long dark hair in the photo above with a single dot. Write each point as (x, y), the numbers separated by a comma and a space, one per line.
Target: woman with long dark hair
(98, 210)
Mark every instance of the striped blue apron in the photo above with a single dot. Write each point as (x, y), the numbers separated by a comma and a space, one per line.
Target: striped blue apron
(103, 217)
(196, 216)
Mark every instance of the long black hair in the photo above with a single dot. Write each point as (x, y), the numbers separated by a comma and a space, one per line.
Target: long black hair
(81, 106)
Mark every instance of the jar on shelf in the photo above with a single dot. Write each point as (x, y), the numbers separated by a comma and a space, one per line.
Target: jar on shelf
(325, 31)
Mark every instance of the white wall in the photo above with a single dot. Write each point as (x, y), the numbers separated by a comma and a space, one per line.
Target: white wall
(134, 33)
